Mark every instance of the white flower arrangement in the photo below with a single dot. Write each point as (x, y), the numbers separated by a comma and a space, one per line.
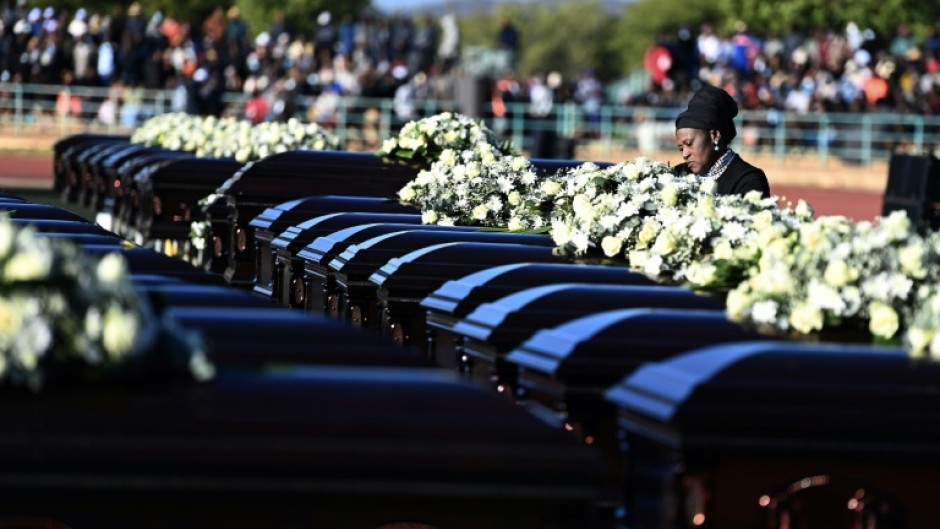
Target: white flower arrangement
(474, 187)
(423, 142)
(232, 138)
(64, 313)
(832, 273)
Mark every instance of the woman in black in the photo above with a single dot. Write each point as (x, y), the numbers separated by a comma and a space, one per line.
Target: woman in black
(703, 133)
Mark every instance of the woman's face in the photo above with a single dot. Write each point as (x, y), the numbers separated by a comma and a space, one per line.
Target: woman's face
(698, 148)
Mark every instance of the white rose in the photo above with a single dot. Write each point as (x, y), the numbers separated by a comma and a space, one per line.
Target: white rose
(630, 171)
(514, 198)
(709, 186)
(611, 245)
(118, 331)
(583, 209)
(935, 347)
(803, 210)
(665, 244)
(918, 340)
(670, 194)
(551, 188)
(648, 232)
(911, 258)
(429, 217)
(515, 224)
(701, 273)
(519, 163)
(407, 193)
(111, 268)
(838, 273)
(561, 233)
(479, 212)
(883, 320)
(723, 250)
(638, 259)
(7, 234)
(738, 304)
(806, 318)
(28, 265)
(448, 157)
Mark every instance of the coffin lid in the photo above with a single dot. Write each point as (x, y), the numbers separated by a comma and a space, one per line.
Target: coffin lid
(789, 397)
(20, 210)
(278, 218)
(366, 257)
(418, 273)
(63, 226)
(460, 296)
(598, 349)
(146, 261)
(197, 173)
(549, 166)
(289, 174)
(297, 237)
(317, 430)
(177, 294)
(74, 139)
(253, 336)
(509, 320)
(328, 246)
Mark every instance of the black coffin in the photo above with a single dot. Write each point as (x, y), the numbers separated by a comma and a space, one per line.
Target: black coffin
(564, 371)
(458, 297)
(344, 448)
(273, 180)
(89, 163)
(358, 296)
(128, 202)
(148, 262)
(405, 281)
(169, 194)
(105, 172)
(74, 166)
(273, 221)
(320, 280)
(494, 329)
(65, 146)
(287, 284)
(181, 294)
(273, 337)
(764, 434)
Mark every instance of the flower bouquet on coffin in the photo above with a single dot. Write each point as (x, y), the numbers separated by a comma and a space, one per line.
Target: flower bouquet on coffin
(68, 317)
(421, 143)
(831, 276)
(231, 138)
(478, 188)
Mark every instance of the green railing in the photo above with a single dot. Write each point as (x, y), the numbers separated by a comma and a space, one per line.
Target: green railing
(852, 138)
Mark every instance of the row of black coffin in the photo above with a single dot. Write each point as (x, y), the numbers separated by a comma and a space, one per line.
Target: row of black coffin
(737, 434)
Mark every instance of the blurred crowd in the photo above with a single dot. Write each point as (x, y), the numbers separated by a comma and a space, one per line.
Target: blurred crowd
(850, 69)
(409, 59)
(130, 50)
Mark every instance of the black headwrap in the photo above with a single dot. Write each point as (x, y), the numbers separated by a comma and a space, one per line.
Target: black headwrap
(711, 108)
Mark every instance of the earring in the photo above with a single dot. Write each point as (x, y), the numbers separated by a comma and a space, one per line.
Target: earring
(716, 146)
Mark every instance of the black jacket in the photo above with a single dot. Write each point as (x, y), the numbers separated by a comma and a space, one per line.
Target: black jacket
(739, 178)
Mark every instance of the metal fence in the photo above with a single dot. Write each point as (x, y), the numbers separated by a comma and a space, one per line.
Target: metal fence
(851, 138)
